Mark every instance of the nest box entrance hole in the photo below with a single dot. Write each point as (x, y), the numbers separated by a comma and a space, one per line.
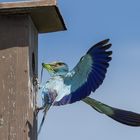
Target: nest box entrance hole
(33, 62)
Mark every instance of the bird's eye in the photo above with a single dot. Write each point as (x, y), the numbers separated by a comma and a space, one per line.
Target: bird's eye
(59, 64)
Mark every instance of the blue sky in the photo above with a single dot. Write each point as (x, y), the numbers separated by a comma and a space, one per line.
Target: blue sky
(88, 22)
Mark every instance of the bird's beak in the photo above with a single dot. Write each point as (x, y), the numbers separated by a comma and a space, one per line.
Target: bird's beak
(48, 67)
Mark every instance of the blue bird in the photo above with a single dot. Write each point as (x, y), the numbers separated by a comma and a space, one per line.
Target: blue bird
(67, 87)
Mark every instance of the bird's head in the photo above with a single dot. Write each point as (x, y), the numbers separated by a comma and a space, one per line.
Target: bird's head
(56, 68)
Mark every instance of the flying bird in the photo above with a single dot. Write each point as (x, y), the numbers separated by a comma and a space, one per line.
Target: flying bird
(67, 87)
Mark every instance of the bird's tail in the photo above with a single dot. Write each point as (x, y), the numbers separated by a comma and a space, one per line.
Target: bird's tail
(122, 116)
(43, 119)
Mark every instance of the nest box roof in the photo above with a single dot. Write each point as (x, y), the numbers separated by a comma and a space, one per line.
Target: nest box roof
(44, 13)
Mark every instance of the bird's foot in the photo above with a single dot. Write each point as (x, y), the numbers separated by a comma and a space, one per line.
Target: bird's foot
(37, 110)
(35, 80)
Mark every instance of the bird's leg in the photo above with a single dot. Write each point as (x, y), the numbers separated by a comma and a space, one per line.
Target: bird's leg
(38, 109)
(45, 102)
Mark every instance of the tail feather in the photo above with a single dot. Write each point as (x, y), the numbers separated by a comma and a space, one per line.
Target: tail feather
(122, 116)
(43, 119)
(126, 117)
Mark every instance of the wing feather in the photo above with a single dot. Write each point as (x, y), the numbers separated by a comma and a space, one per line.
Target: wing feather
(88, 74)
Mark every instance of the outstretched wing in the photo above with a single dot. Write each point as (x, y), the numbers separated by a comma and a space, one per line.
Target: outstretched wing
(88, 74)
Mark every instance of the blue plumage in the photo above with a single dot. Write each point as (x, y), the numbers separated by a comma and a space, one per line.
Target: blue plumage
(66, 87)
(97, 58)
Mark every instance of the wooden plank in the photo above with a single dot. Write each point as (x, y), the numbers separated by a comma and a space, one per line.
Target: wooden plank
(17, 97)
(27, 4)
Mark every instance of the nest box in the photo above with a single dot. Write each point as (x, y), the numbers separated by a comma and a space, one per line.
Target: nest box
(20, 23)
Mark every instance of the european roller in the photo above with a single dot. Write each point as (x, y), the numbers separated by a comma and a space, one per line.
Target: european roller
(67, 87)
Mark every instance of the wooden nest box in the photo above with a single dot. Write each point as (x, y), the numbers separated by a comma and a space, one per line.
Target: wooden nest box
(20, 23)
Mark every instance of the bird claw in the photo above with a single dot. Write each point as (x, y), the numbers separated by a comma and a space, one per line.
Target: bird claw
(37, 110)
(35, 80)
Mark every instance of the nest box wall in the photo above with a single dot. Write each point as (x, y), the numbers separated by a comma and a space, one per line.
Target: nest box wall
(18, 42)
(20, 23)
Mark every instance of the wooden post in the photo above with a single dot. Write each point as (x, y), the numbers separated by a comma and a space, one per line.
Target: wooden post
(20, 23)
